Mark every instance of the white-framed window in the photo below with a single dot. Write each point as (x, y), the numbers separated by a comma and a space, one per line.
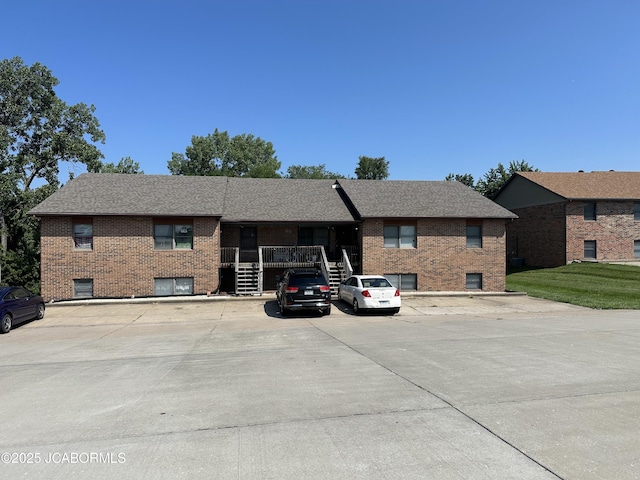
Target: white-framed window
(83, 288)
(474, 235)
(589, 210)
(636, 249)
(590, 249)
(173, 286)
(171, 236)
(400, 236)
(403, 281)
(83, 236)
(636, 211)
(474, 281)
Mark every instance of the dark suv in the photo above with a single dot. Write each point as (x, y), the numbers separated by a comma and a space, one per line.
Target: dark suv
(303, 289)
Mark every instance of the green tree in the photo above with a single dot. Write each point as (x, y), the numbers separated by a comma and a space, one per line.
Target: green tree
(218, 154)
(492, 181)
(465, 179)
(311, 171)
(372, 168)
(125, 165)
(38, 131)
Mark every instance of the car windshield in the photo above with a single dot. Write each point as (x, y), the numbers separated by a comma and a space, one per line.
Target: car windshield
(375, 283)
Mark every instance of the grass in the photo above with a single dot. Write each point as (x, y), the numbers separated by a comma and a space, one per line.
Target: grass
(595, 285)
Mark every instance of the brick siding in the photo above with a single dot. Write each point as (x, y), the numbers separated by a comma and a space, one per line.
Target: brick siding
(614, 230)
(123, 261)
(538, 235)
(441, 258)
(553, 235)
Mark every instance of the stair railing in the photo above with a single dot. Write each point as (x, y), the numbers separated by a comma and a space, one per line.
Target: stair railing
(324, 264)
(237, 269)
(260, 271)
(346, 264)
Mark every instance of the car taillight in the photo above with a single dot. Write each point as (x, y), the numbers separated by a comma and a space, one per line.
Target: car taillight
(291, 289)
(397, 294)
(365, 293)
(325, 288)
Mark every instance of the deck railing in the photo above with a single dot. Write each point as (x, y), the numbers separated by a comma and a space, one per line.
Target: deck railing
(228, 256)
(291, 256)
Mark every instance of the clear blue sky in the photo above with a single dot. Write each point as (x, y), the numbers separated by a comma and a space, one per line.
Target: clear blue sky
(434, 86)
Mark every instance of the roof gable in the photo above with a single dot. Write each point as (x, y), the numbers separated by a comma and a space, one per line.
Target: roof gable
(609, 185)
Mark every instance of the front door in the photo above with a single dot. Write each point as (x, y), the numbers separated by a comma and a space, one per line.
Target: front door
(248, 244)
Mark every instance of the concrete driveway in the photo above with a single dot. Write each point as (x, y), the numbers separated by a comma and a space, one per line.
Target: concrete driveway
(505, 387)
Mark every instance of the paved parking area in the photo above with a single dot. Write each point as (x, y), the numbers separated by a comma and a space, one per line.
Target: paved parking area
(505, 387)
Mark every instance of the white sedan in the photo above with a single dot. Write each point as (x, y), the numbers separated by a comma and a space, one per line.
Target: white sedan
(364, 292)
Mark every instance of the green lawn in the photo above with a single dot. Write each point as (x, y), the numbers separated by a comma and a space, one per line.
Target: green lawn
(595, 285)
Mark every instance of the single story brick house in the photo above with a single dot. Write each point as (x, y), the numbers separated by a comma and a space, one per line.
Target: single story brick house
(117, 235)
(569, 216)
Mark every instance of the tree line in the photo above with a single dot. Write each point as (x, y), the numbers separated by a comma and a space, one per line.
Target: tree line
(39, 132)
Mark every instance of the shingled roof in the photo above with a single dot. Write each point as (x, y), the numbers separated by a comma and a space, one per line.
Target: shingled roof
(419, 199)
(283, 200)
(266, 199)
(122, 194)
(609, 185)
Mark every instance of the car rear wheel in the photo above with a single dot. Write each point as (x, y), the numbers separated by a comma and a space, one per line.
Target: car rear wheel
(283, 311)
(40, 311)
(5, 326)
(326, 311)
(356, 308)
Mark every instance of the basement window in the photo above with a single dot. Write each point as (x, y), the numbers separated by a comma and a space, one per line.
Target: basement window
(172, 286)
(474, 281)
(83, 288)
(403, 281)
(590, 249)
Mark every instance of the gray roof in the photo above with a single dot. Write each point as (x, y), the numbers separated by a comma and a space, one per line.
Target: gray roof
(283, 200)
(265, 199)
(140, 194)
(419, 199)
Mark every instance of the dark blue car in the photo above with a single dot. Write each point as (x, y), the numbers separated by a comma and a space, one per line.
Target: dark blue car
(17, 305)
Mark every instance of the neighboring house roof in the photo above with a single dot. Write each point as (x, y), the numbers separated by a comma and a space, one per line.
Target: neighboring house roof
(419, 199)
(266, 199)
(139, 194)
(283, 200)
(588, 185)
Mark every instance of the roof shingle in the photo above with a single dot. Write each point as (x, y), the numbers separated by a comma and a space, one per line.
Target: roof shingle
(265, 199)
(589, 185)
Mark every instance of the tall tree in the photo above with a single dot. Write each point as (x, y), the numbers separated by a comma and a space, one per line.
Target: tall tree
(218, 154)
(311, 171)
(465, 179)
(125, 165)
(38, 131)
(370, 168)
(492, 181)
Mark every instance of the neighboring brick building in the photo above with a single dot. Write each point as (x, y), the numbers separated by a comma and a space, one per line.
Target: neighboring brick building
(114, 235)
(564, 217)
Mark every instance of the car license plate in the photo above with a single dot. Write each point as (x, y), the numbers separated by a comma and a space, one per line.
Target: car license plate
(384, 302)
(308, 292)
